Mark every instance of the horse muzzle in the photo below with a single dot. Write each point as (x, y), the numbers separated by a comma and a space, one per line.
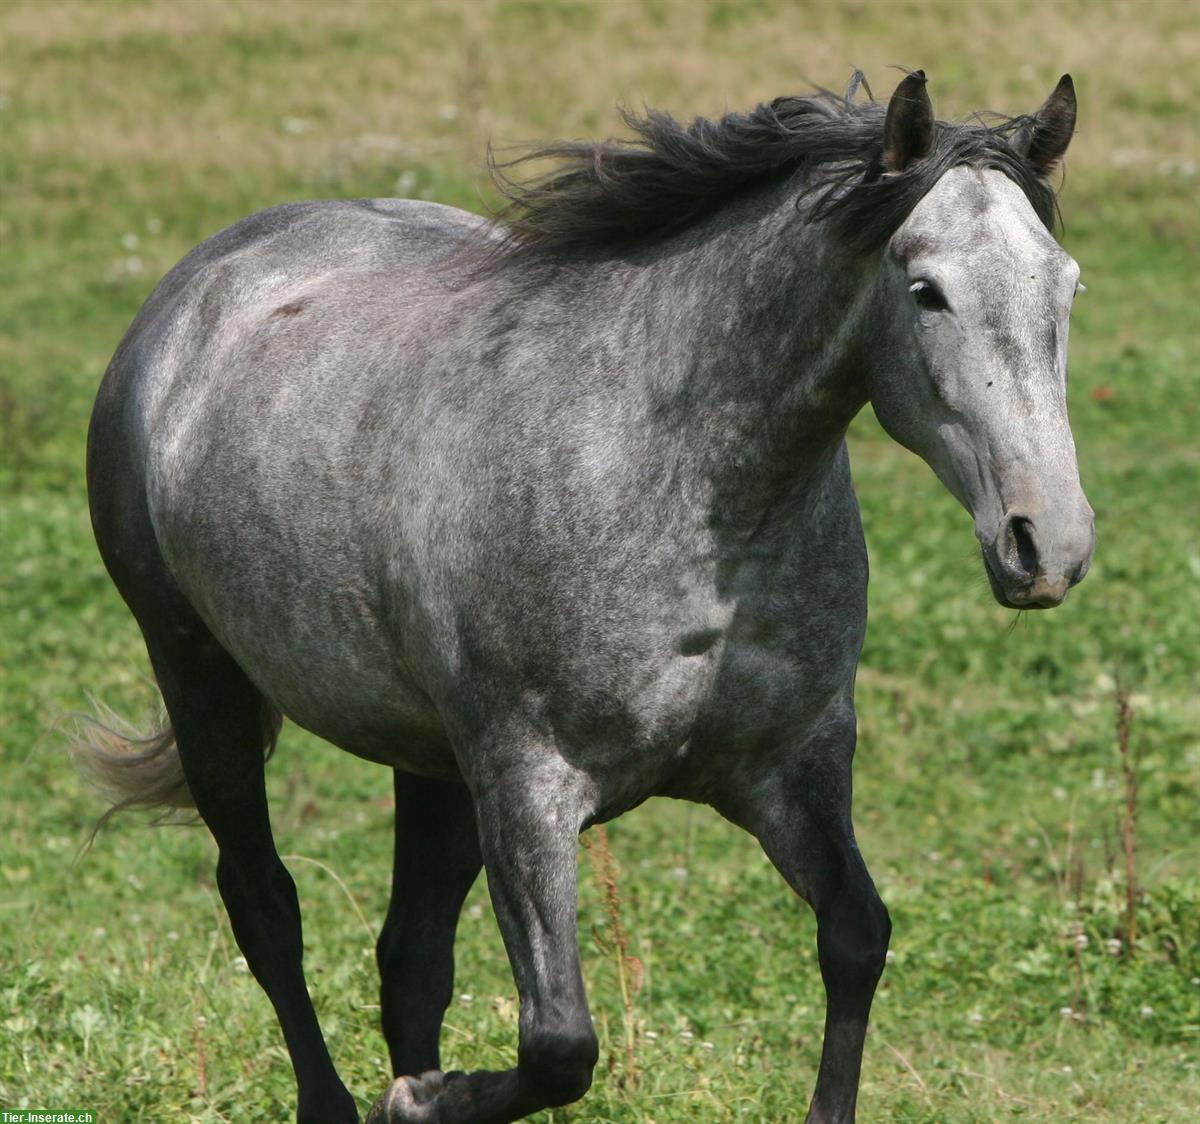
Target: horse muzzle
(1033, 565)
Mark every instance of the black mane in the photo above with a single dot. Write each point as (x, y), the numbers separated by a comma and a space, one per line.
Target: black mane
(606, 195)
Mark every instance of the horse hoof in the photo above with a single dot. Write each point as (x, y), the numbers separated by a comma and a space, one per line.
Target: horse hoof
(409, 1100)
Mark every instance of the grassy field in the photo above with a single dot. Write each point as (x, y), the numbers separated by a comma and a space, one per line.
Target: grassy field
(989, 785)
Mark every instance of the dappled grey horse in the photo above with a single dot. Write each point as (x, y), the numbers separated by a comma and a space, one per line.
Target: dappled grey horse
(554, 514)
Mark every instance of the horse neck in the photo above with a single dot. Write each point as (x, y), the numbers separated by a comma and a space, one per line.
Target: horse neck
(752, 329)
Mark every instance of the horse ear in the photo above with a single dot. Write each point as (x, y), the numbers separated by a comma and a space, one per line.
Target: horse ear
(1044, 140)
(908, 127)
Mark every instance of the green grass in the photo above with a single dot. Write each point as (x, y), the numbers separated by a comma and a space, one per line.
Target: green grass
(988, 781)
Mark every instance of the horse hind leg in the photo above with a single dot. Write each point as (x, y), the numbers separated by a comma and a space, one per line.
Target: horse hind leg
(437, 860)
(216, 715)
(220, 726)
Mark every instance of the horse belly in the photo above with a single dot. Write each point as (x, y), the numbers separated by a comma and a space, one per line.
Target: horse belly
(327, 663)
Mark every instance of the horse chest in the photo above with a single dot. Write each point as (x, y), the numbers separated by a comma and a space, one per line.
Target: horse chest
(702, 664)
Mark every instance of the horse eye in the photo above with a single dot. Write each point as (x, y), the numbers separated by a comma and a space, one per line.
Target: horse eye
(928, 296)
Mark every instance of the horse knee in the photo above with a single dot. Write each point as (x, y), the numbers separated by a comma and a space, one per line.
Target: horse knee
(559, 1064)
(852, 937)
(392, 951)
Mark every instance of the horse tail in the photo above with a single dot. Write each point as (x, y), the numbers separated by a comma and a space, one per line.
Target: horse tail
(132, 768)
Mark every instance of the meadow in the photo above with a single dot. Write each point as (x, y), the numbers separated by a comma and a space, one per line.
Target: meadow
(992, 794)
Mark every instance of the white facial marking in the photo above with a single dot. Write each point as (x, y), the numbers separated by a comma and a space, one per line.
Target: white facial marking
(977, 385)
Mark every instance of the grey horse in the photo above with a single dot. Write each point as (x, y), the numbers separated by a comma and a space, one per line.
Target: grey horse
(554, 514)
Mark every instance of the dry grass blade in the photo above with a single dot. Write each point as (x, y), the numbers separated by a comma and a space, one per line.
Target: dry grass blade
(1124, 719)
(630, 971)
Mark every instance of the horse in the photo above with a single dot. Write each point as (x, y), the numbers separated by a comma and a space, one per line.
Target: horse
(552, 513)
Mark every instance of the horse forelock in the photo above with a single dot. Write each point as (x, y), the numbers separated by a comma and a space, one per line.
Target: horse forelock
(613, 195)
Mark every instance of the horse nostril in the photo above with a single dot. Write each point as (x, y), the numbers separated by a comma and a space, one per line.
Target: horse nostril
(1022, 535)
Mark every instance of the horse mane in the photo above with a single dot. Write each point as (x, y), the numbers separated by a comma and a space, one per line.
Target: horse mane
(613, 195)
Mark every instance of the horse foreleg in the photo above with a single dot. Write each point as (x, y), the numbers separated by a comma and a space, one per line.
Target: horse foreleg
(803, 822)
(528, 830)
(853, 929)
(437, 859)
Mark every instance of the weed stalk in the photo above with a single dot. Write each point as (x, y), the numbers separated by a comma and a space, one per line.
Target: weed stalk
(1124, 709)
(629, 968)
(201, 1057)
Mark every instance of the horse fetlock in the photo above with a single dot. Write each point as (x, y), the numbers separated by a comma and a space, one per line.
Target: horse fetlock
(328, 1106)
(409, 1100)
(817, 1114)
